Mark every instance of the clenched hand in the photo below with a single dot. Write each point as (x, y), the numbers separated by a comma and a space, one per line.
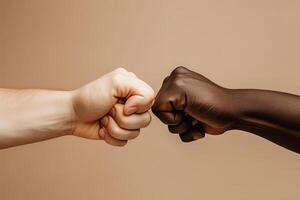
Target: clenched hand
(113, 108)
(192, 105)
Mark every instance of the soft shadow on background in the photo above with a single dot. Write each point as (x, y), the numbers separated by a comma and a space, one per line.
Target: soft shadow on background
(60, 44)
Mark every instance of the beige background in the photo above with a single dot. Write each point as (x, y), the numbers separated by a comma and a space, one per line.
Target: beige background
(60, 44)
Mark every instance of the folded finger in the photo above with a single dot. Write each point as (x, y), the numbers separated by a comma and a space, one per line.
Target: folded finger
(194, 133)
(133, 121)
(139, 94)
(111, 140)
(119, 133)
(185, 125)
(170, 117)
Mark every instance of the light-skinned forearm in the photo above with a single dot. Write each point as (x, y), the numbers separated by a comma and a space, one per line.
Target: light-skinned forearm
(28, 116)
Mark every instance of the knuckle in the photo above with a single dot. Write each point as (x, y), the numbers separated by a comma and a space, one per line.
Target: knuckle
(131, 74)
(179, 69)
(173, 129)
(178, 80)
(120, 70)
(117, 78)
(151, 94)
(147, 119)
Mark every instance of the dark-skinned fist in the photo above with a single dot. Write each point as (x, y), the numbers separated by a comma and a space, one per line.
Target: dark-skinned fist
(192, 105)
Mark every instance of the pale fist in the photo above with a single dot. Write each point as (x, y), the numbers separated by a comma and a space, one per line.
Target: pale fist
(113, 108)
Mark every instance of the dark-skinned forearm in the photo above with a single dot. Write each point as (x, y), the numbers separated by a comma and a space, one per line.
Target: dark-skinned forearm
(269, 114)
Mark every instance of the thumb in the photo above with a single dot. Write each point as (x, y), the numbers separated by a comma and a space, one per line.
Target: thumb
(137, 104)
(138, 94)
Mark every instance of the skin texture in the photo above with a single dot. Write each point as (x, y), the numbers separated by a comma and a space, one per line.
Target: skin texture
(192, 105)
(112, 108)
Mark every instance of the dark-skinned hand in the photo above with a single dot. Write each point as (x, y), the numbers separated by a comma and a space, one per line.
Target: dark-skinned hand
(192, 105)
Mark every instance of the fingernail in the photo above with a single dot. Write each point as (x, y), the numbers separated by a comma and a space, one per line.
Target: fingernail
(130, 110)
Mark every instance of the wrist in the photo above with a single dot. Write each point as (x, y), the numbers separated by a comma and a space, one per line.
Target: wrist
(245, 107)
(64, 114)
(237, 108)
(70, 95)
